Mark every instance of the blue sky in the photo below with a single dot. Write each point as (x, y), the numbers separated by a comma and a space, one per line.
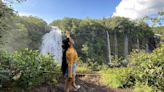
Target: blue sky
(50, 10)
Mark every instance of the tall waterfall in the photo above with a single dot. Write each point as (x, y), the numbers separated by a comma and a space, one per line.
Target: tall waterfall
(126, 39)
(109, 49)
(52, 43)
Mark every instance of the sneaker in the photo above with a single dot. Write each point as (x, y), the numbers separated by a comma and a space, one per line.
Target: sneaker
(77, 87)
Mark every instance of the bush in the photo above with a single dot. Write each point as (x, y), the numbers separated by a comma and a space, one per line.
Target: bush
(144, 72)
(27, 68)
(139, 87)
(149, 68)
(83, 67)
(115, 77)
(5, 58)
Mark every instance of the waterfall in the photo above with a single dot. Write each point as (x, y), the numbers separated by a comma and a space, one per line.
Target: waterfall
(126, 46)
(52, 42)
(138, 44)
(147, 48)
(109, 49)
(115, 45)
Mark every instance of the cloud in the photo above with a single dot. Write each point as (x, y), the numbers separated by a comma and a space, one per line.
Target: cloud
(135, 9)
(25, 14)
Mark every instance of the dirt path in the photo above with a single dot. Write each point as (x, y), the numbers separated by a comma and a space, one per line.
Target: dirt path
(87, 83)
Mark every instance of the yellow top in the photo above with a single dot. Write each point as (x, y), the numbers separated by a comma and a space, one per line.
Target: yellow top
(71, 56)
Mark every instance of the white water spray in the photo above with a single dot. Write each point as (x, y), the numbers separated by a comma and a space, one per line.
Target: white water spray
(52, 43)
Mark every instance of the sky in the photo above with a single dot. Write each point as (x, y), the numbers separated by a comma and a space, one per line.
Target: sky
(50, 10)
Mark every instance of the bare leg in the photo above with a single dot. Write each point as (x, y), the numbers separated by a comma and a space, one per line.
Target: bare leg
(73, 81)
(67, 85)
(76, 87)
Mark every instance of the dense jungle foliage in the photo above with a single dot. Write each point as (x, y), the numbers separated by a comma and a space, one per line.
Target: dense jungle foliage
(26, 68)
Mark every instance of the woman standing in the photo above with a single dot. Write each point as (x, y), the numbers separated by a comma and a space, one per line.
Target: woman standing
(70, 56)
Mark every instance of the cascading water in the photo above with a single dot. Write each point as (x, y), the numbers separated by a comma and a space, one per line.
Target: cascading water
(52, 43)
(126, 46)
(138, 44)
(109, 49)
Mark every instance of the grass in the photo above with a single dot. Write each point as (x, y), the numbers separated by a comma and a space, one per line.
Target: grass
(114, 77)
(83, 68)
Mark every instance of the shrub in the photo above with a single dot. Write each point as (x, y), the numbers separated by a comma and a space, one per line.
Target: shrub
(149, 68)
(115, 77)
(144, 72)
(27, 68)
(139, 87)
(83, 67)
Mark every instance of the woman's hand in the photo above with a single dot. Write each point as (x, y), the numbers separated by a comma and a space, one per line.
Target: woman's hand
(67, 34)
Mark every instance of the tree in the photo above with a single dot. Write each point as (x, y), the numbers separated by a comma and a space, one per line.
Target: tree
(91, 41)
(6, 15)
(156, 20)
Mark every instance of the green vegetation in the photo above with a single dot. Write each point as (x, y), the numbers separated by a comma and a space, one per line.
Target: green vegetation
(150, 71)
(159, 30)
(83, 67)
(144, 73)
(115, 77)
(18, 32)
(27, 68)
(23, 32)
(91, 40)
(23, 68)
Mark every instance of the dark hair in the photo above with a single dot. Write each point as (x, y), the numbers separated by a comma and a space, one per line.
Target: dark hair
(65, 46)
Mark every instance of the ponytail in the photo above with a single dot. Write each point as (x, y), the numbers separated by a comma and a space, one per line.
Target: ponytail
(65, 46)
